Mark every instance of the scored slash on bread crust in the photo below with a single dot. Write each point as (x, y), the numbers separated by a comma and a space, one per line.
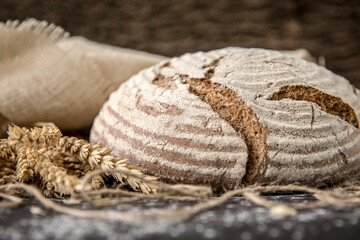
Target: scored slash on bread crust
(330, 104)
(258, 115)
(233, 109)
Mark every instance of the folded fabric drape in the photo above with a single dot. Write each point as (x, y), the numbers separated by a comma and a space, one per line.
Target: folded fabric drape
(45, 75)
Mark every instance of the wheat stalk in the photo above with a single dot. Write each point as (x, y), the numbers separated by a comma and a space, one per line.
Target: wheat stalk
(58, 164)
(94, 156)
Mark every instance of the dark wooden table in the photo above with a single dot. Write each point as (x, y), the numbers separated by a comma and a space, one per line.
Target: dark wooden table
(236, 219)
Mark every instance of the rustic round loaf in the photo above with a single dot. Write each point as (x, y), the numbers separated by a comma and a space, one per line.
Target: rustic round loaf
(235, 116)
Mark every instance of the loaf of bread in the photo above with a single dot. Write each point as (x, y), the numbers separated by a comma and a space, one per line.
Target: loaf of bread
(234, 117)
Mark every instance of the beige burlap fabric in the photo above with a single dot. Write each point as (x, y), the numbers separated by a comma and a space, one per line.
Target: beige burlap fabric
(48, 76)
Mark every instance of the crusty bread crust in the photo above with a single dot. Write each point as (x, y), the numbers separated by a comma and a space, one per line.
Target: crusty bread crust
(236, 116)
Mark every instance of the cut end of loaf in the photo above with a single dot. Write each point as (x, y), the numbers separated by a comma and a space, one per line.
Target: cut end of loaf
(330, 104)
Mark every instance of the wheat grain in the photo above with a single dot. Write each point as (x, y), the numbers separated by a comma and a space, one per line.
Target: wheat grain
(58, 164)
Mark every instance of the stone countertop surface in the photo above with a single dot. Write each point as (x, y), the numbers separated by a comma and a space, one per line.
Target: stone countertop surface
(236, 219)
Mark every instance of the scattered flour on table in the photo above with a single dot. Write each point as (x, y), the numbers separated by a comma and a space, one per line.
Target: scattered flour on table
(238, 215)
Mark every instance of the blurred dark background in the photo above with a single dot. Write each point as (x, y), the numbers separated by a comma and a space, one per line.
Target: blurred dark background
(329, 28)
